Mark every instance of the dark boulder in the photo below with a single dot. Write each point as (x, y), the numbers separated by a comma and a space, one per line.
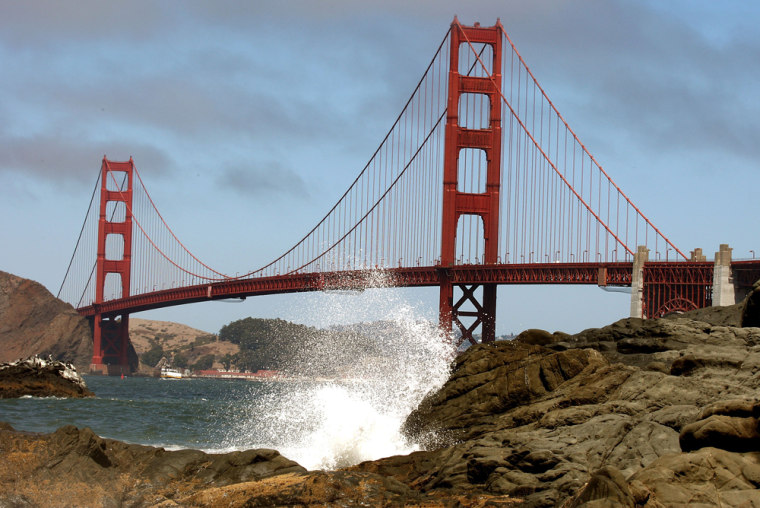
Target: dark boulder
(606, 487)
(37, 377)
(78, 468)
(489, 379)
(729, 425)
(750, 315)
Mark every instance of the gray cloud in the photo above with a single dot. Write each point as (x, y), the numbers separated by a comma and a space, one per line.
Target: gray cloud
(648, 77)
(67, 158)
(210, 75)
(265, 180)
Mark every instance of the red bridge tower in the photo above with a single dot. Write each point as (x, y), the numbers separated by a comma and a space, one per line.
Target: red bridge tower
(111, 333)
(456, 202)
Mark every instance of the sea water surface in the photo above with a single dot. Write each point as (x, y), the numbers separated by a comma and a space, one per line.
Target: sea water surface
(187, 413)
(319, 424)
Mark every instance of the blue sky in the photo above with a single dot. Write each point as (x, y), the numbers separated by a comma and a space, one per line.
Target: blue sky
(244, 117)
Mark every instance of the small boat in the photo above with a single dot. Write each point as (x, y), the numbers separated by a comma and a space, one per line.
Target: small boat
(170, 373)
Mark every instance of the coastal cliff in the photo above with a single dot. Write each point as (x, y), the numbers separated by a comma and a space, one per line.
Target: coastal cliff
(34, 322)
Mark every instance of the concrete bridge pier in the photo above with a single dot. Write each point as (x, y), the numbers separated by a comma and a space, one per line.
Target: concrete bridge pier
(723, 292)
(637, 281)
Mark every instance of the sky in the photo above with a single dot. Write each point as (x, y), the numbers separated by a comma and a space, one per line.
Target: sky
(247, 120)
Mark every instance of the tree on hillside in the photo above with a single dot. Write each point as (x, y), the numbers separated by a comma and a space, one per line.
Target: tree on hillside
(179, 361)
(205, 362)
(153, 355)
(275, 344)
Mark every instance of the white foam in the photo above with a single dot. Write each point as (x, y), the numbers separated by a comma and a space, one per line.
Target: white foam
(341, 423)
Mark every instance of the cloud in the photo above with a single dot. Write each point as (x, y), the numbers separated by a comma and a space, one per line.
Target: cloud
(265, 180)
(197, 78)
(64, 158)
(650, 79)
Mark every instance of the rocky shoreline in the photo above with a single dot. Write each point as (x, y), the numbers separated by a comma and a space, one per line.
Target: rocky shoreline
(38, 377)
(638, 413)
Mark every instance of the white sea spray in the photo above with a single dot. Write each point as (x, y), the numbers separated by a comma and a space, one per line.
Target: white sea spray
(328, 424)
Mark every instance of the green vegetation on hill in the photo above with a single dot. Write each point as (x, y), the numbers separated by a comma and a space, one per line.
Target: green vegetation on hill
(275, 344)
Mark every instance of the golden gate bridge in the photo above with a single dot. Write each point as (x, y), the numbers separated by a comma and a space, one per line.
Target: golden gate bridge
(480, 181)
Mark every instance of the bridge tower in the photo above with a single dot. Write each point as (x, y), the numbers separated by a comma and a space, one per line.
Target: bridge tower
(111, 333)
(456, 202)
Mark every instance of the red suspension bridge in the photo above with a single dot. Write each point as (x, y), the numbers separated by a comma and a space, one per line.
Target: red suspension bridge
(480, 181)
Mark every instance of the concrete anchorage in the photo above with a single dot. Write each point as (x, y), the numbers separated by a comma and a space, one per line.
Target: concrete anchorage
(723, 291)
(637, 281)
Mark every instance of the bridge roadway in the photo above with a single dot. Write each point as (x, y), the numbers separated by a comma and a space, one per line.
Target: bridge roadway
(603, 274)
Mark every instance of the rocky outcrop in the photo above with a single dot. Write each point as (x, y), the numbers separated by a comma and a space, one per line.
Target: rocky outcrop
(750, 310)
(37, 377)
(82, 469)
(731, 425)
(75, 467)
(605, 414)
(33, 321)
(492, 379)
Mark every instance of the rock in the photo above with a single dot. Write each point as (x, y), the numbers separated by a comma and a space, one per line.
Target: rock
(641, 384)
(750, 315)
(41, 378)
(75, 467)
(726, 432)
(538, 337)
(707, 477)
(84, 469)
(607, 487)
(729, 425)
(490, 379)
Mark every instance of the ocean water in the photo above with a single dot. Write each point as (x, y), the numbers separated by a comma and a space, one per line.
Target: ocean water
(319, 424)
(187, 413)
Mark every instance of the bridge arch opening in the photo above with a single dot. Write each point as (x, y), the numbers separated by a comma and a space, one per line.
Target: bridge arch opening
(117, 181)
(116, 211)
(474, 111)
(470, 240)
(114, 247)
(468, 61)
(473, 169)
(112, 288)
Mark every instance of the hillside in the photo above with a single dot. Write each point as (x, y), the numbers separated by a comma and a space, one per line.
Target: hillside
(182, 345)
(275, 344)
(258, 344)
(33, 321)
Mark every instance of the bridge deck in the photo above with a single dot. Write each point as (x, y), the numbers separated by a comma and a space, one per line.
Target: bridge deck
(603, 274)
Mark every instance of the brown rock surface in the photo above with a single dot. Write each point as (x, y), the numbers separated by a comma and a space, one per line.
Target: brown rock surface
(74, 467)
(551, 434)
(750, 315)
(41, 378)
(33, 321)
(731, 425)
